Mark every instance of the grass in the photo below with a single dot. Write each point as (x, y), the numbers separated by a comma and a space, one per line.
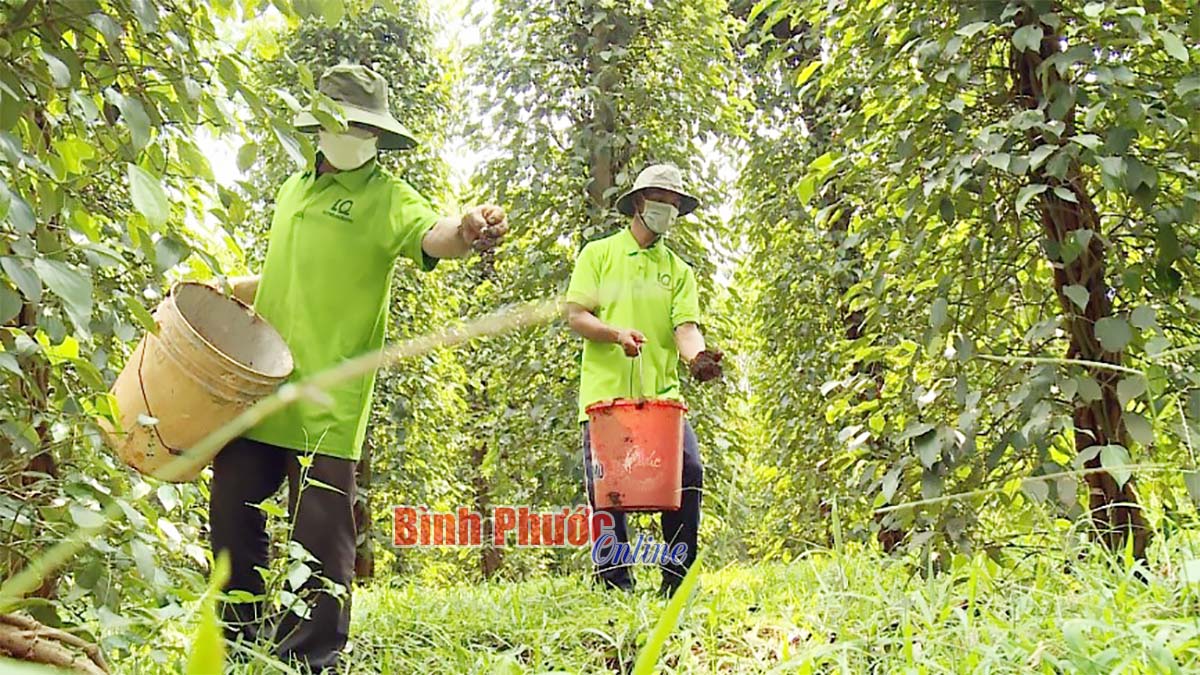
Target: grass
(853, 613)
(857, 611)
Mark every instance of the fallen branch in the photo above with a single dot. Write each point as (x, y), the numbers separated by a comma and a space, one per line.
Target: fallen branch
(24, 639)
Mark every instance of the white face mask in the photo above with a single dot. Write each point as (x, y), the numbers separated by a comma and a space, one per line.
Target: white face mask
(348, 150)
(658, 216)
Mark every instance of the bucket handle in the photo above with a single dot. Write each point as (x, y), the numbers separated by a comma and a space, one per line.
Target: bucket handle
(146, 400)
(640, 366)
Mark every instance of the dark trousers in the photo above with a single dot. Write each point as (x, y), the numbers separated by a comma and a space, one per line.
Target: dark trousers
(247, 472)
(677, 526)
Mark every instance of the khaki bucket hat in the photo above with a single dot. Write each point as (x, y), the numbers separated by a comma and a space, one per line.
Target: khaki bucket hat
(663, 177)
(363, 95)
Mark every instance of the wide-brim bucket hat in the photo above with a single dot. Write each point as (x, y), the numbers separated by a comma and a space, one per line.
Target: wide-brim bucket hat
(363, 95)
(663, 177)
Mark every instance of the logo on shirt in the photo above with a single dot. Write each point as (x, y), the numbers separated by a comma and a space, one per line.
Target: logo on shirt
(664, 280)
(340, 208)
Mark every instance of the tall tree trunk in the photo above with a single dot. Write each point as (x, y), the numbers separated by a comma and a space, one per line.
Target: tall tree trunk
(608, 154)
(490, 557)
(1115, 510)
(34, 389)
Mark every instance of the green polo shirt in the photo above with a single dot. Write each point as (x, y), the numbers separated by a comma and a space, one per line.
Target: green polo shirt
(651, 290)
(325, 287)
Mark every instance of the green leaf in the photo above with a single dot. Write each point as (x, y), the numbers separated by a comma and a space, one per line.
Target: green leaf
(1029, 192)
(806, 73)
(1143, 317)
(931, 485)
(147, 14)
(1157, 345)
(1191, 479)
(196, 163)
(805, 189)
(139, 312)
(946, 210)
(1138, 173)
(86, 518)
(1130, 388)
(60, 74)
(1000, 160)
(1115, 460)
(74, 153)
(1113, 167)
(1093, 9)
(1078, 295)
(23, 275)
(1089, 141)
(928, 447)
(913, 430)
(286, 96)
(937, 316)
(889, 484)
(1066, 195)
(20, 214)
(208, 645)
(1174, 45)
(1039, 155)
(143, 558)
(1139, 428)
(1089, 388)
(74, 288)
(823, 163)
(1028, 38)
(648, 658)
(332, 11)
(10, 304)
(148, 195)
(971, 29)
(1036, 488)
(1114, 333)
(246, 156)
(168, 496)
(1067, 487)
(134, 115)
(298, 574)
(290, 145)
(1187, 85)
(89, 374)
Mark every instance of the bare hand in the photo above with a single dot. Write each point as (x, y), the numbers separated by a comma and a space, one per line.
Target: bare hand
(707, 365)
(631, 341)
(483, 226)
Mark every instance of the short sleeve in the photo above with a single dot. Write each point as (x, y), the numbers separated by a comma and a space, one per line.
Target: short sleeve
(685, 301)
(584, 288)
(410, 217)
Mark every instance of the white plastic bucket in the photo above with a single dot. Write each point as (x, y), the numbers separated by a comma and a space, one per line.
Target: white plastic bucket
(211, 359)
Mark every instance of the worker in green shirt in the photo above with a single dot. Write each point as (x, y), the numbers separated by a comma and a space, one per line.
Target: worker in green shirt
(336, 233)
(630, 296)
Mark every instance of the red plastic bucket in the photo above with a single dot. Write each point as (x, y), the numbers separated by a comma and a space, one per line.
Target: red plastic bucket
(637, 454)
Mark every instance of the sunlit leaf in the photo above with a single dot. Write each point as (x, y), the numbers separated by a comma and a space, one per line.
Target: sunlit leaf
(1174, 46)
(207, 655)
(74, 287)
(1139, 428)
(1115, 460)
(1078, 295)
(1028, 38)
(1114, 333)
(649, 655)
(148, 195)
